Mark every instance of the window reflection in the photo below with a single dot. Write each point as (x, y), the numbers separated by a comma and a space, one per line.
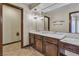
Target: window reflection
(74, 23)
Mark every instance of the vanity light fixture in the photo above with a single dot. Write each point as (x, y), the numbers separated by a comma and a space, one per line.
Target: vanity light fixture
(35, 9)
(35, 17)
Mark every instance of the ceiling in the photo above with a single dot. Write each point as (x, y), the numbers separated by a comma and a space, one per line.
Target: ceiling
(32, 5)
(46, 7)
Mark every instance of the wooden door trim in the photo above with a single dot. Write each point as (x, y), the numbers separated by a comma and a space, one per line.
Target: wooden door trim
(48, 22)
(11, 43)
(11, 5)
(1, 31)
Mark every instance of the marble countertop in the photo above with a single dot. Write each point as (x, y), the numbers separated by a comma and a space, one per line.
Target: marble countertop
(62, 36)
(71, 41)
(50, 34)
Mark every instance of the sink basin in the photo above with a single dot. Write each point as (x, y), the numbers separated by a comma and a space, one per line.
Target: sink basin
(47, 32)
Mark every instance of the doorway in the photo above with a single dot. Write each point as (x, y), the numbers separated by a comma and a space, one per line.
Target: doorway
(12, 25)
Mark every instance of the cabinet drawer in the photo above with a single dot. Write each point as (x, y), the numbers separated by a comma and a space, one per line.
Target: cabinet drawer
(38, 36)
(51, 40)
(31, 35)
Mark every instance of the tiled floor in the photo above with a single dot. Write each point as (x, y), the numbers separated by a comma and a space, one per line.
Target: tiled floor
(15, 50)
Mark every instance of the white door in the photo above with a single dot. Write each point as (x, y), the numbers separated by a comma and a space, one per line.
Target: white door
(11, 24)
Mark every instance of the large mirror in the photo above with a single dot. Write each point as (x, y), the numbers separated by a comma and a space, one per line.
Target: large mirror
(42, 23)
(74, 22)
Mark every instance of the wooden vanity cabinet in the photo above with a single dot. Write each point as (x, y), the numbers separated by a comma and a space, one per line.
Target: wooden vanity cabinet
(38, 43)
(69, 47)
(31, 40)
(51, 46)
(46, 45)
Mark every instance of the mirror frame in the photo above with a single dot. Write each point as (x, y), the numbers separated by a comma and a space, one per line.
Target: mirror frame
(70, 20)
(48, 22)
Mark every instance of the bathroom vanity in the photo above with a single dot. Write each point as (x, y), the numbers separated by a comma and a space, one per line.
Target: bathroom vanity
(53, 44)
(46, 44)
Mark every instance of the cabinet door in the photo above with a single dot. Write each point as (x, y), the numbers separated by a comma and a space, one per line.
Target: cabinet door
(51, 49)
(38, 44)
(31, 40)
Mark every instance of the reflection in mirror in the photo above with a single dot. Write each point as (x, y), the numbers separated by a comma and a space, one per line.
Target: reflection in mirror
(74, 22)
(42, 23)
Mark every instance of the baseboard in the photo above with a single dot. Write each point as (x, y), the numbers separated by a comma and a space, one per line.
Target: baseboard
(12, 42)
(26, 46)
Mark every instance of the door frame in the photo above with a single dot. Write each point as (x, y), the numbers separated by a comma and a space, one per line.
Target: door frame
(1, 25)
(7, 4)
(1, 31)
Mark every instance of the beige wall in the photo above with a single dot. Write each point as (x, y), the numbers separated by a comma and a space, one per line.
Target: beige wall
(62, 14)
(11, 24)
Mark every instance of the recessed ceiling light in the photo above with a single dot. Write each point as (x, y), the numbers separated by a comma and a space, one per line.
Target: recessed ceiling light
(35, 9)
